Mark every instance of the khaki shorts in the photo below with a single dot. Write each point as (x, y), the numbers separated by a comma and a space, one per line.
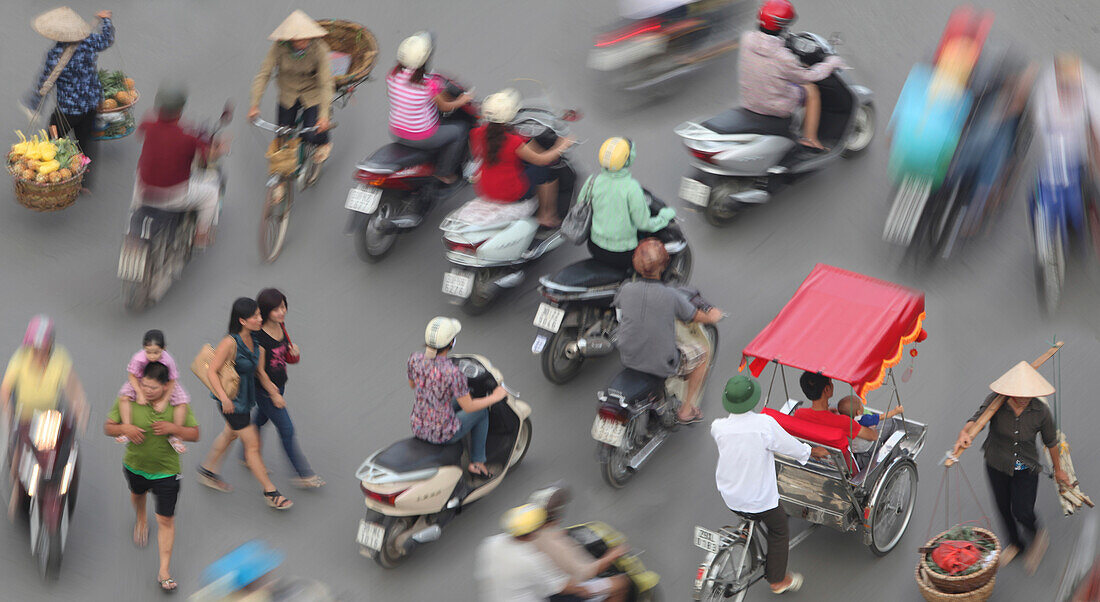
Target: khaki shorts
(693, 346)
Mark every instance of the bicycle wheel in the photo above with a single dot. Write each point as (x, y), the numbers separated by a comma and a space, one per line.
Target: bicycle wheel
(307, 169)
(275, 219)
(729, 574)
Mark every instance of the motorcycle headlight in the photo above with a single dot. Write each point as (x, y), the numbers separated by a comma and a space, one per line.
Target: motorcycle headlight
(44, 429)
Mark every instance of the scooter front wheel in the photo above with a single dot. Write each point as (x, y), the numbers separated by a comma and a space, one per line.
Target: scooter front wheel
(863, 131)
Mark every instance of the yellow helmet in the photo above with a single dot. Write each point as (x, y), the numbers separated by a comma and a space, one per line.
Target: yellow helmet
(615, 153)
(523, 520)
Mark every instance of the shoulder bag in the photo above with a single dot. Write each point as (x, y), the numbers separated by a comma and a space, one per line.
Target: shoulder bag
(227, 374)
(578, 221)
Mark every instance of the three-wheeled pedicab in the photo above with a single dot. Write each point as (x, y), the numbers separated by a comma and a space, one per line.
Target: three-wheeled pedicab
(853, 329)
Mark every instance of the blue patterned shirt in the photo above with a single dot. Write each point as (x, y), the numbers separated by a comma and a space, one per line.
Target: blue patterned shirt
(78, 89)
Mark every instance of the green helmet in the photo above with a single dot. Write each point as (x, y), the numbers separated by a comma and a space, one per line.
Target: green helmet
(170, 99)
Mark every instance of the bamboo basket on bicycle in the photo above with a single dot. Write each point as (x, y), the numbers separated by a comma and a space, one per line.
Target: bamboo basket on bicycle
(853, 329)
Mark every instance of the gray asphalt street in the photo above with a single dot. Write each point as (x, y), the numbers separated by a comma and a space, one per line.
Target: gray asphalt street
(356, 323)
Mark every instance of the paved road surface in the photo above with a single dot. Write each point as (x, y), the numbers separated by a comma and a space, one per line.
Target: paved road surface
(356, 324)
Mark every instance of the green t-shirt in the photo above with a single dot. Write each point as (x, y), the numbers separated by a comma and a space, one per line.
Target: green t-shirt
(153, 457)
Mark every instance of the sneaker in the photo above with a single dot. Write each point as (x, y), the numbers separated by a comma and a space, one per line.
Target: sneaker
(177, 444)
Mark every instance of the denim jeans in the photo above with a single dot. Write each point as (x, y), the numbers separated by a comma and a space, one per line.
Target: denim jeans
(475, 424)
(265, 411)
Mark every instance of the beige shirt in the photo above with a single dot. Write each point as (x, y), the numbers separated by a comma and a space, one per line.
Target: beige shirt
(307, 79)
(568, 555)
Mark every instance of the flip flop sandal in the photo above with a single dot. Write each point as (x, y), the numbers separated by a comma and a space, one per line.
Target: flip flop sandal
(168, 586)
(313, 482)
(794, 586)
(487, 475)
(696, 418)
(213, 481)
(272, 500)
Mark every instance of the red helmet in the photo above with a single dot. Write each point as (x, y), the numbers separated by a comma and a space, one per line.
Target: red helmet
(776, 15)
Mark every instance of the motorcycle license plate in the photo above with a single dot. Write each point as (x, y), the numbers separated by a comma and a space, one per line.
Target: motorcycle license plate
(363, 200)
(549, 317)
(370, 535)
(539, 344)
(608, 431)
(707, 539)
(458, 283)
(694, 192)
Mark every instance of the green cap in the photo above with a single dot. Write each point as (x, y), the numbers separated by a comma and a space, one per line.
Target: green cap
(741, 394)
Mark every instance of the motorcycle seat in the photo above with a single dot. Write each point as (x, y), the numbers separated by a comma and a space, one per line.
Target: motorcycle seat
(589, 273)
(634, 385)
(148, 221)
(393, 157)
(744, 121)
(411, 454)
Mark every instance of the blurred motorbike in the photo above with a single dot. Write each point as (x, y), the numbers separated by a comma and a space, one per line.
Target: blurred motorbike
(158, 243)
(396, 187)
(247, 573)
(597, 538)
(740, 158)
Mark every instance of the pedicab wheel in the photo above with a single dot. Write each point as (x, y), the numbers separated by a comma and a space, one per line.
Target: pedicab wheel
(523, 442)
(863, 131)
(558, 367)
(894, 508)
(390, 556)
(49, 554)
(731, 568)
(275, 220)
(371, 243)
(933, 594)
(1050, 265)
(718, 215)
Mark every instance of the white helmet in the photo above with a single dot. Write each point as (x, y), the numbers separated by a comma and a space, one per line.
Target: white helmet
(414, 51)
(501, 107)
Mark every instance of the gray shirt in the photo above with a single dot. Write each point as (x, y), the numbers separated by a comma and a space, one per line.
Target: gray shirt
(647, 326)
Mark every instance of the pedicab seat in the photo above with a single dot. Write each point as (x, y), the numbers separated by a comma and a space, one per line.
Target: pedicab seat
(816, 433)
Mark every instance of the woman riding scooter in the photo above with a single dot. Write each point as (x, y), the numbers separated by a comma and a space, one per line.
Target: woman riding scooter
(513, 168)
(443, 411)
(619, 207)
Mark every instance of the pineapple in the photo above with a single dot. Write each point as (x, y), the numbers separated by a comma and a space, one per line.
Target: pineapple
(54, 177)
(129, 83)
(74, 163)
(27, 174)
(41, 178)
(109, 104)
(65, 172)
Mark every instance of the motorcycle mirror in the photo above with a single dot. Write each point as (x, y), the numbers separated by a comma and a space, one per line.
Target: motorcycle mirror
(571, 115)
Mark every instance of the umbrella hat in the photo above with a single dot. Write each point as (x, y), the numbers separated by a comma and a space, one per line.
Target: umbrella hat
(1022, 381)
(61, 24)
(298, 26)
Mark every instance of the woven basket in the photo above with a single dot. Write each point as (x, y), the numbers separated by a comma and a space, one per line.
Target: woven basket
(282, 158)
(354, 39)
(45, 196)
(125, 127)
(932, 594)
(137, 96)
(963, 583)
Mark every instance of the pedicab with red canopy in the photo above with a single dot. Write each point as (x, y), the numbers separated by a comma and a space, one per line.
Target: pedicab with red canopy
(853, 329)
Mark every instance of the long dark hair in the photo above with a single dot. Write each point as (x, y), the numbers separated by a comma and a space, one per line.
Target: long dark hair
(494, 140)
(153, 337)
(268, 300)
(418, 74)
(243, 308)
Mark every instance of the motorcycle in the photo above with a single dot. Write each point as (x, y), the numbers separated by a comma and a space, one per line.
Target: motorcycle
(741, 158)
(158, 243)
(414, 488)
(637, 411)
(396, 188)
(645, 58)
(488, 243)
(576, 321)
(247, 572)
(597, 538)
(48, 473)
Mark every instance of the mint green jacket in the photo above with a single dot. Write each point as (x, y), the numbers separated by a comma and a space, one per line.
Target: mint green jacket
(620, 211)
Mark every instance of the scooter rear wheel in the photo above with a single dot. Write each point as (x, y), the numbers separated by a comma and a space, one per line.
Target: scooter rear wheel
(556, 366)
(49, 554)
(482, 295)
(390, 556)
(372, 244)
(720, 213)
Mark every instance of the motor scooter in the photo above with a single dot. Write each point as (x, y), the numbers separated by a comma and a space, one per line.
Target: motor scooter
(414, 488)
(395, 187)
(489, 244)
(158, 243)
(741, 158)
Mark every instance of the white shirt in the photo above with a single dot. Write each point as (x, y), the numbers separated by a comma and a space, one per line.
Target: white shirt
(510, 570)
(746, 464)
(643, 9)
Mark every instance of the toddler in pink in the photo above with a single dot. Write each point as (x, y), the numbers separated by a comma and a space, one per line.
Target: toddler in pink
(153, 350)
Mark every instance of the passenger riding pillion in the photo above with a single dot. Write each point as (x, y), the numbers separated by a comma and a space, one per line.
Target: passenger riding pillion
(619, 207)
(772, 79)
(164, 176)
(304, 78)
(658, 327)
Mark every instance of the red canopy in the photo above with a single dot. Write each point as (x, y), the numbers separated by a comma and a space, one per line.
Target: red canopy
(841, 324)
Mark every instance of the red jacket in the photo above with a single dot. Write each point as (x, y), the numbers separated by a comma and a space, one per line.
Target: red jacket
(168, 152)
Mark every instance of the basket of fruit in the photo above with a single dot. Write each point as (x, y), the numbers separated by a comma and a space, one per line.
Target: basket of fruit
(115, 117)
(47, 172)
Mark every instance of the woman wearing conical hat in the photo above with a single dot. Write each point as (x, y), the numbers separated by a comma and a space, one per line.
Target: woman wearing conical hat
(300, 59)
(1012, 457)
(78, 89)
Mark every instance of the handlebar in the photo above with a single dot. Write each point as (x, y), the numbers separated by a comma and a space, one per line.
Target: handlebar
(285, 130)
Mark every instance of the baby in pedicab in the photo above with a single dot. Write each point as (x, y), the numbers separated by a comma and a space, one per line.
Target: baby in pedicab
(852, 406)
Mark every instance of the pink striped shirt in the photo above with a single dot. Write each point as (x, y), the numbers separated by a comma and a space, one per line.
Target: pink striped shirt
(413, 114)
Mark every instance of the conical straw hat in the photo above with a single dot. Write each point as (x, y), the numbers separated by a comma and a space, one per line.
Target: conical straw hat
(298, 26)
(62, 25)
(1022, 381)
